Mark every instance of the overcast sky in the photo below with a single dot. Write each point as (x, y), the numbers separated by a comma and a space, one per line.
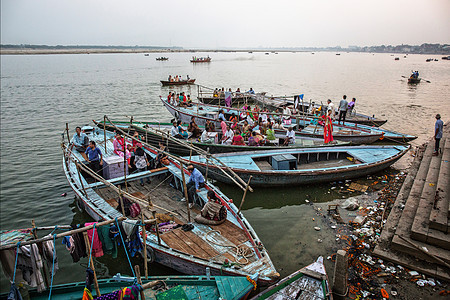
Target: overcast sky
(226, 23)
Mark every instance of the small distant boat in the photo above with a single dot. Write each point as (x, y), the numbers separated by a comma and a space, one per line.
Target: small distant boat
(267, 53)
(200, 59)
(429, 59)
(414, 80)
(396, 58)
(310, 282)
(181, 82)
(338, 54)
(446, 57)
(436, 59)
(162, 58)
(146, 54)
(287, 167)
(250, 51)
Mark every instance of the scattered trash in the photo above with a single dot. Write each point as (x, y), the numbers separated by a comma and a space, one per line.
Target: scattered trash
(319, 240)
(394, 291)
(359, 220)
(351, 204)
(317, 228)
(358, 187)
(413, 273)
(307, 201)
(63, 194)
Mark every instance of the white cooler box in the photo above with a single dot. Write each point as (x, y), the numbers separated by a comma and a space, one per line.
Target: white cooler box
(113, 167)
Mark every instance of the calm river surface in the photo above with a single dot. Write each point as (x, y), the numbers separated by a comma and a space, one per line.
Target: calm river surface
(40, 93)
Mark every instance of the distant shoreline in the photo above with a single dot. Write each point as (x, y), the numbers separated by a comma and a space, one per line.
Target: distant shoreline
(28, 51)
(6, 51)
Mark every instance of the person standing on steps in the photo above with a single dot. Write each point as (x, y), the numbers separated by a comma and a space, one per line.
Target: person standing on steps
(438, 130)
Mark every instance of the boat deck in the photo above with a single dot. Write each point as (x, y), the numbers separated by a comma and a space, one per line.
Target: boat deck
(209, 242)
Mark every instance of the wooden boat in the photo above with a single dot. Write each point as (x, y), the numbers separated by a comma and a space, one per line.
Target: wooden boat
(310, 282)
(201, 59)
(387, 135)
(181, 82)
(146, 54)
(413, 80)
(210, 112)
(162, 58)
(189, 252)
(304, 166)
(274, 103)
(156, 133)
(170, 287)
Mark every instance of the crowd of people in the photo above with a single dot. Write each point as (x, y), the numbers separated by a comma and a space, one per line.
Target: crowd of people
(179, 99)
(177, 78)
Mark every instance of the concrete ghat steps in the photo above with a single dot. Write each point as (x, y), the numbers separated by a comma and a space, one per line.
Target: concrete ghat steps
(409, 213)
(420, 229)
(412, 201)
(440, 213)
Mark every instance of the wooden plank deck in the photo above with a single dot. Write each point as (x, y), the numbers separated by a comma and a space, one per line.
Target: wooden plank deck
(189, 243)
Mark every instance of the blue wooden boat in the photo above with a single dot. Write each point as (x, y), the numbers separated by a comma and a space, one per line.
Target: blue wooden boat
(310, 282)
(155, 133)
(386, 135)
(189, 252)
(203, 112)
(168, 287)
(304, 166)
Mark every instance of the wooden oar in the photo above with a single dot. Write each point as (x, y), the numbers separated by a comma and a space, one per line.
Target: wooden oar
(420, 78)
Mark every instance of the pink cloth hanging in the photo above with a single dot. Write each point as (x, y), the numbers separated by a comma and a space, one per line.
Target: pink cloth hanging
(97, 250)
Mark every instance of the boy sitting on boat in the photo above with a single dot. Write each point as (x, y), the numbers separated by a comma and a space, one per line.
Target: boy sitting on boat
(213, 212)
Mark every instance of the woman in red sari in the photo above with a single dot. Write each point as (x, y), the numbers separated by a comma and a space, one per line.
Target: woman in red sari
(328, 128)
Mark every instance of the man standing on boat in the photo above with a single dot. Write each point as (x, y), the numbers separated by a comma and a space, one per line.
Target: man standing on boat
(343, 106)
(195, 183)
(95, 157)
(438, 130)
(332, 109)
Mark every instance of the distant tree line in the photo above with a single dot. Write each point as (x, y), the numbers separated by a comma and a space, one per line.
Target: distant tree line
(62, 47)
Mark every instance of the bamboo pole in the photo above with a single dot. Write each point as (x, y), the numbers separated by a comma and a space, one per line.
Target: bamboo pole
(81, 181)
(139, 280)
(207, 164)
(245, 193)
(121, 201)
(66, 233)
(125, 163)
(144, 237)
(156, 225)
(104, 132)
(88, 250)
(67, 130)
(185, 192)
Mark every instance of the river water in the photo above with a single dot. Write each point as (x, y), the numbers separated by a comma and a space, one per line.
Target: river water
(40, 93)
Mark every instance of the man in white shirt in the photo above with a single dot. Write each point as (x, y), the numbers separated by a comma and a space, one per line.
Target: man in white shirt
(174, 131)
(290, 137)
(333, 110)
(228, 136)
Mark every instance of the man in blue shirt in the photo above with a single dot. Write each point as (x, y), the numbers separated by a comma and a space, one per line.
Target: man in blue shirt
(95, 157)
(195, 183)
(438, 130)
(221, 116)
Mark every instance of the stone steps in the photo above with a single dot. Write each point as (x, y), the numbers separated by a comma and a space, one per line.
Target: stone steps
(418, 237)
(420, 229)
(440, 213)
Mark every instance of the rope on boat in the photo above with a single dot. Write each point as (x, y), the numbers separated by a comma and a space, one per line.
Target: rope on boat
(53, 264)
(125, 248)
(240, 251)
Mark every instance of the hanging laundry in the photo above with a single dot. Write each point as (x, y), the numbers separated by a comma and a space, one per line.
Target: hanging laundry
(132, 239)
(111, 296)
(107, 243)
(97, 247)
(130, 293)
(47, 252)
(89, 278)
(29, 261)
(14, 293)
(87, 295)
